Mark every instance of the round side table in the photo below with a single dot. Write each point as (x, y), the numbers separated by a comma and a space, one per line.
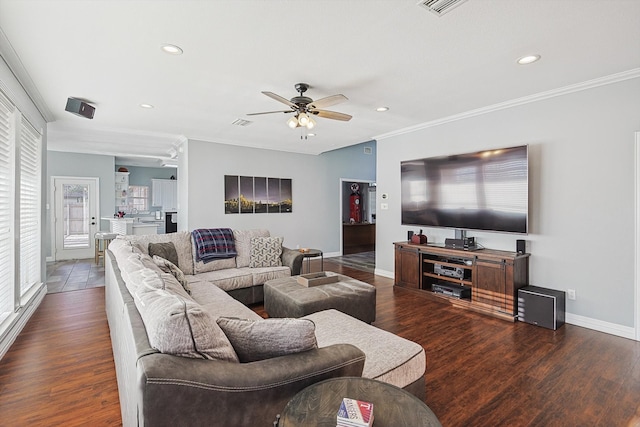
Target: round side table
(313, 253)
(318, 404)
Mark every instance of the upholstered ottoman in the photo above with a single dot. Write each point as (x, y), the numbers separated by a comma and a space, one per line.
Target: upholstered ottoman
(287, 298)
(389, 358)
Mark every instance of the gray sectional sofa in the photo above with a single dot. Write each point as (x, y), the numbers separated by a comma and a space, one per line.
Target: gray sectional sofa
(175, 364)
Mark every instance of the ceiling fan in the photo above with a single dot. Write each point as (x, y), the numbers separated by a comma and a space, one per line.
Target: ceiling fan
(306, 108)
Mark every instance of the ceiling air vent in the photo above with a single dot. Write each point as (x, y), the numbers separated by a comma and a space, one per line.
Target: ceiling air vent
(241, 122)
(440, 7)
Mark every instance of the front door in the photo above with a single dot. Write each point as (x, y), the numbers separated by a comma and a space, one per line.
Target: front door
(75, 217)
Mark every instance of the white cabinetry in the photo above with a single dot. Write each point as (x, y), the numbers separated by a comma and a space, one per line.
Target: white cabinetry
(122, 190)
(164, 194)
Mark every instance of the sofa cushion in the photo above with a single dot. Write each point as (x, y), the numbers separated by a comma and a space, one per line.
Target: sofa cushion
(262, 275)
(179, 326)
(265, 252)
(204, 267)
(229, 279)
(255, 340)
(243, 244)
(181, 240)
(169, 267)
(390, 358)
(166, 250)
(217, 302)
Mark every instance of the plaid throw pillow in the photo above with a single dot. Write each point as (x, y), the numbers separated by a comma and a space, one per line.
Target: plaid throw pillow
(266, 252)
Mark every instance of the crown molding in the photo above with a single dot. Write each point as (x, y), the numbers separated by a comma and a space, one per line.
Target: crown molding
(13, 62)
(589, 84)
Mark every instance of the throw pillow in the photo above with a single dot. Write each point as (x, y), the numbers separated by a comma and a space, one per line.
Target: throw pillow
(169, 267)
(164, 250)
(266, 252)
(255, 340)
(181, 327)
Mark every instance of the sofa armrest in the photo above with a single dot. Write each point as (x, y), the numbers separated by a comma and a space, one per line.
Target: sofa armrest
(182, 391)
(292, 258)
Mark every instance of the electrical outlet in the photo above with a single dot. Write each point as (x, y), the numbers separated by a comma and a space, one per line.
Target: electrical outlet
(571, 294)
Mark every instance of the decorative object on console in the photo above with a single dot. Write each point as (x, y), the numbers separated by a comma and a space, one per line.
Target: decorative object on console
(419, 238)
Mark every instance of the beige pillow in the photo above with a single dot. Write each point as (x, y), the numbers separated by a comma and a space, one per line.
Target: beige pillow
(262, 339)
(181, 327)
(169, 267)
(266, 252)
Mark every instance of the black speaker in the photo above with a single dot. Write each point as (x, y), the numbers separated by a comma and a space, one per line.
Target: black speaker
(80, 108)
(409, 235)
(541, 306)
(521, 246)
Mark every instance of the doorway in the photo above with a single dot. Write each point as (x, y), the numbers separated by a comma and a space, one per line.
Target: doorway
(75, 217)
(357, 229)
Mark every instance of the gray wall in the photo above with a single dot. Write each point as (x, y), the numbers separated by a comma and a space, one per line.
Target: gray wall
(581, 184)
(316, 218)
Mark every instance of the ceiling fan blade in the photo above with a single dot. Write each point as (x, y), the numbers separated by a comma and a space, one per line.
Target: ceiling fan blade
(270, 112)
(328, 101)
(331, 115)
(280, 99)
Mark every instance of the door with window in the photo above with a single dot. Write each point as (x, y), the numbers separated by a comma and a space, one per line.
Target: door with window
(75, 217)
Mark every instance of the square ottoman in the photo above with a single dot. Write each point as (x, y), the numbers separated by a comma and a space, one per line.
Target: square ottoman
(287, 298)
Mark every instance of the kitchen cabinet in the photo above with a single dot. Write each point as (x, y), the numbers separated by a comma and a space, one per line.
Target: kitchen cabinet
(122, 190)
(164, 194)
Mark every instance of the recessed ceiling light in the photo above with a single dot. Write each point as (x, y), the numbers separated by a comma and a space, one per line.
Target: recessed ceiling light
(528, 59)
(382, 109)
(311, 134)
(146, 106)
(172, 49)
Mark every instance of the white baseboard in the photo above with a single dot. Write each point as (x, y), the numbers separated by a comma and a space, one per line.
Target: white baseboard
(573, 319)
(331, 254)
(49, 259)
(601, 326)
(18, 320)
(384, 273)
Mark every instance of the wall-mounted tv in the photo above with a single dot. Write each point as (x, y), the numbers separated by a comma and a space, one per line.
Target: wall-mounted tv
(485, 190)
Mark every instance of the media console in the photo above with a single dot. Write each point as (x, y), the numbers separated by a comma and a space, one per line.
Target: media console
(485, 281)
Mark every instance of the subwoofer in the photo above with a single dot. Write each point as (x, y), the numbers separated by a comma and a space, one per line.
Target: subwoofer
(541, 306)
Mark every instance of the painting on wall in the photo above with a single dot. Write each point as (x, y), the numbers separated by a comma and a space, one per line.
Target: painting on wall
(246, 194)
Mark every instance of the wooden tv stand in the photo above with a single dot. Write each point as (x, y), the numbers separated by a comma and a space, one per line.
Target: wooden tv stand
(493, 276)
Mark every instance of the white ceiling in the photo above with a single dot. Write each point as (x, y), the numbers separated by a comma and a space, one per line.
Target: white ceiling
(390, 53)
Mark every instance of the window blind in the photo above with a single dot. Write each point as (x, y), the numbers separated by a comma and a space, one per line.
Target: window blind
(30, 152)
(7, 180)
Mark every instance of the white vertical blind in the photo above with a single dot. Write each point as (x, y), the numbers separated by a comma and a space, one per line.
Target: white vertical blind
(7, 181)
(30, 161)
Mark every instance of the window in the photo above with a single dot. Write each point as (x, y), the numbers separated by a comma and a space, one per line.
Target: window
(138, 198)
(7, 180)
(20, 209)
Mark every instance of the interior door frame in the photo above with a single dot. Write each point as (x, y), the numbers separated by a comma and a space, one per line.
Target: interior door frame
(341, 195)
(637, 235)
(52, 211)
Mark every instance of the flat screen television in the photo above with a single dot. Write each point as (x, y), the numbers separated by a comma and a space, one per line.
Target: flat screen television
(485, 190)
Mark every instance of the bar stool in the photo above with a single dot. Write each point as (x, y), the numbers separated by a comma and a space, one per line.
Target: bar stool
(103, 238)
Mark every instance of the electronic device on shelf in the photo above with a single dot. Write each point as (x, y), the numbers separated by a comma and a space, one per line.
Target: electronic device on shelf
(449, 271)
(452, 290)
(467, 244)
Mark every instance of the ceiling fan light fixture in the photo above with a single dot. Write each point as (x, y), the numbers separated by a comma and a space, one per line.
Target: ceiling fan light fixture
(311, 124)
(293, 122)
(303, 119)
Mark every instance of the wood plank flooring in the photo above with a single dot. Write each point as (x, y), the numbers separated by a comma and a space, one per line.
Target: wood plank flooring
(480, 371)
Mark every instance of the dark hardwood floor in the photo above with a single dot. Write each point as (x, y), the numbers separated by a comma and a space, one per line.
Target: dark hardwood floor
(480, 371)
